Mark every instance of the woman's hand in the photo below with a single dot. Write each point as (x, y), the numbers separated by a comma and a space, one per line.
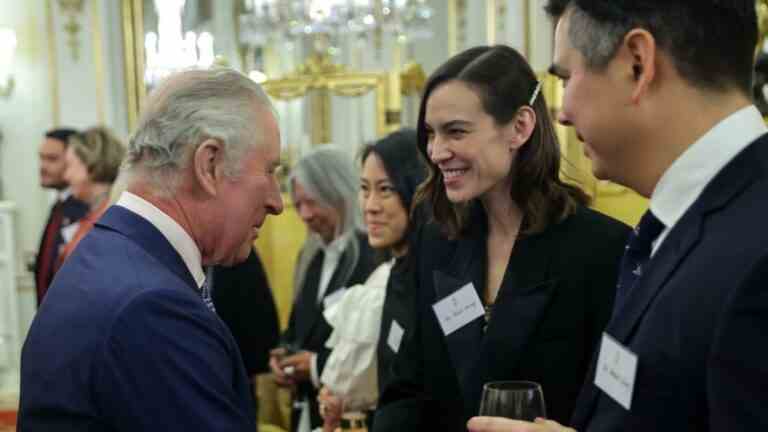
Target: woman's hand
(331, 408)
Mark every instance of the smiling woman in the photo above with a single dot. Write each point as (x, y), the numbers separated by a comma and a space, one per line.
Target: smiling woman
(516, 234)
(360, 358)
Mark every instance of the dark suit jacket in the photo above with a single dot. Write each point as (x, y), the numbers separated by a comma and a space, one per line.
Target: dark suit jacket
(308, 329)
(554, 301)
(72, 210)
(124, 342)
(698, 316)
(244, 301)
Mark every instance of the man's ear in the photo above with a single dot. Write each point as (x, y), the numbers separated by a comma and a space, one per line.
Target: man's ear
(206, 161)
(639, 47)
(521, 127)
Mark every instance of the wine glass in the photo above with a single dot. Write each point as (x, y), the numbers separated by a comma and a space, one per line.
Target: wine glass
(519, 400)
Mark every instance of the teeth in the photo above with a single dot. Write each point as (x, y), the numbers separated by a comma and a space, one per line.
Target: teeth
(450, 173)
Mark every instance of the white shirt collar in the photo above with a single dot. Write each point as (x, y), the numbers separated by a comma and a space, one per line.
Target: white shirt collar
(181, 241)
(689, 174)
(63, 194)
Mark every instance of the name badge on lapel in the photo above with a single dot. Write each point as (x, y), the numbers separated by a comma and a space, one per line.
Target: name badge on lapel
(616, 369)
(395, 337)
(458, 309)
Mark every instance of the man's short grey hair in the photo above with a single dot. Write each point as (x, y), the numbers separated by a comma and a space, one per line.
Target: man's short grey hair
(188, 108)
(596, 41)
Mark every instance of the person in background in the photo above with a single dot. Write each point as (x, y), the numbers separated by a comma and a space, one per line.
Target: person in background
(127, 339)
(660, 92)
(520, 265)
(67, 209)
(243, 300)
(391, 171)
(324, 188)
(93, 162)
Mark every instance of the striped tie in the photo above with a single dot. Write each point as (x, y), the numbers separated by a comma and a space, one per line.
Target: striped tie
(205, 290)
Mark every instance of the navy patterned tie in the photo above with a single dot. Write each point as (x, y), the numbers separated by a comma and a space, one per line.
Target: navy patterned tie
(205, 290)
(636, 255)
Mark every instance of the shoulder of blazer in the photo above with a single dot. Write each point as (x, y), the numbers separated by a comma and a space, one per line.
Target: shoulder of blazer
(592, 229)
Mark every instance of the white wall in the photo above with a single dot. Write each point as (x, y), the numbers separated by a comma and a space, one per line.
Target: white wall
(90, 91)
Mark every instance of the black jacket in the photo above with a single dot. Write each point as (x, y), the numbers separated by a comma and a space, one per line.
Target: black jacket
(554, 301)
(244, 301)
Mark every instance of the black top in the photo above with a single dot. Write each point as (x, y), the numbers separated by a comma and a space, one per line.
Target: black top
(244, 301)
(554, 301)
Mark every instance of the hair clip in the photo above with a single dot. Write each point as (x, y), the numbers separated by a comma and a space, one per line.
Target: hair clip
(535, 93)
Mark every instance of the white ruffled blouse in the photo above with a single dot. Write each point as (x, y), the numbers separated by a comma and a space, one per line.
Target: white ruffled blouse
(350, 370)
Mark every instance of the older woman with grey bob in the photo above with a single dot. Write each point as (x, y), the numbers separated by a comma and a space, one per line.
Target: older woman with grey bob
(323, 186)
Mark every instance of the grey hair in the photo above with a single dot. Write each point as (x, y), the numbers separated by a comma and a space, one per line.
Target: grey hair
(596, 41)
(188, 108)
(331, 178)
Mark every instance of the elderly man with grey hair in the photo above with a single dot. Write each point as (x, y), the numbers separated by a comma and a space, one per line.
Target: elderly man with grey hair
(127, 339)
(324, 188)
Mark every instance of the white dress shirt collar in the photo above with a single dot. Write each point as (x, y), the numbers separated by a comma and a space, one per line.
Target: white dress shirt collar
(685, 180)
(179, 239)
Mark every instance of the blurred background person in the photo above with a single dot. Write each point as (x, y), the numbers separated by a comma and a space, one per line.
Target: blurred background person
(324, 188)
(66, 211)
(391, 171)
(514, 254)
(243, 300)
(93, 162)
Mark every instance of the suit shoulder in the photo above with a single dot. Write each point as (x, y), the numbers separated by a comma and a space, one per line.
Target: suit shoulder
(596, 225)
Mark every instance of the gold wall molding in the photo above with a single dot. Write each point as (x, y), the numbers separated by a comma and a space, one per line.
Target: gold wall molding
(73, 9)
(324, 78)
(53, 66)
(98, 61)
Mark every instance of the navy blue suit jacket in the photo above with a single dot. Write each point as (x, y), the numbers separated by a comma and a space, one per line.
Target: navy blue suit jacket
(698, 317)
(124, 342)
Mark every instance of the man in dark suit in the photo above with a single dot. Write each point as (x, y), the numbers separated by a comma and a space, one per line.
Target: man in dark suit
(659, 91)
(67, 210)
(324, 186)
(128, 339)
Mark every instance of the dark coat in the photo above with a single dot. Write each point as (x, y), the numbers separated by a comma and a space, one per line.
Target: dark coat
(552, 306)
(244, 301)
(698, 317)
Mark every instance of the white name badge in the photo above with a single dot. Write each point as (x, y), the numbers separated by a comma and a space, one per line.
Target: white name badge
(395, 336)
(458, 309)
(332, 299)
(615, 373)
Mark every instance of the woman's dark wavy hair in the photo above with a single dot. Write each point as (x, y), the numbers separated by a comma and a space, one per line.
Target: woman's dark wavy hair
(504, 81)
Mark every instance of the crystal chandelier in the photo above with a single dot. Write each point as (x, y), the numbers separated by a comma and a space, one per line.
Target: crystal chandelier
(168, 51)
(265, 19)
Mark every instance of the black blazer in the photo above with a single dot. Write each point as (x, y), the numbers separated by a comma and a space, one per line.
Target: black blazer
(244, 301)
(555, 299)
(698, 317)
(308, 329)
(399, 307)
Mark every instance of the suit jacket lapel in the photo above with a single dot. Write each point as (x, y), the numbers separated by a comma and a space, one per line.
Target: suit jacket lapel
(525, 294)
(149, 238)
(733, 179)
(466, 266)
(336, 283)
